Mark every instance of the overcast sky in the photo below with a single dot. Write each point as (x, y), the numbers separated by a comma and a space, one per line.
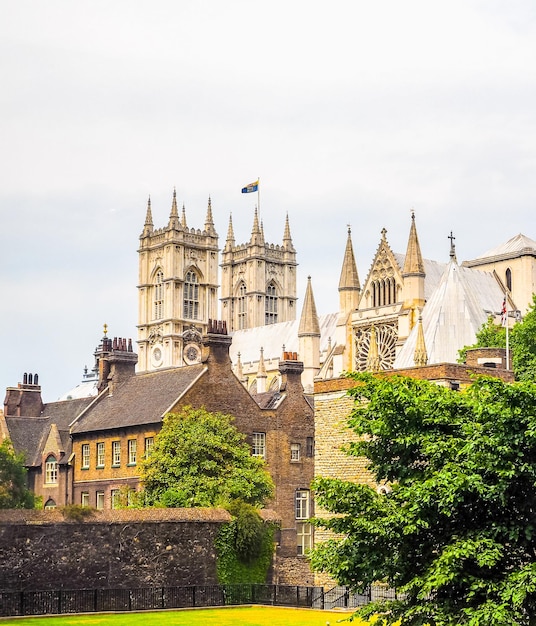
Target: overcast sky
(350, 112)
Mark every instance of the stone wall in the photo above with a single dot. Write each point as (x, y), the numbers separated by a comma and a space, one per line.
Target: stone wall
(109, 549)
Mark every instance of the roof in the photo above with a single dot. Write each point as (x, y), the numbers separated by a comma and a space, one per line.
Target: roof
(274, 336)
(513, 247)
(142, 399)
(455, 312)
(29, 434)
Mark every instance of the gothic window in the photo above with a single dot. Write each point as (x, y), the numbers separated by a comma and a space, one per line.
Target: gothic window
(270, 316)
(242, 307)
(50, 504)
(383, 292)
(509, 279)
(386, 337)
(191, 295)
(51, 470)
(159, 295)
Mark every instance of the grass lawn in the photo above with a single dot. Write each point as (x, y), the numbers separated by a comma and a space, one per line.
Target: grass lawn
(242, 616)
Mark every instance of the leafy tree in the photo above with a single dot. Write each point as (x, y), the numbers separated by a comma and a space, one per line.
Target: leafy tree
(456, 535)
(14, 493)
(201, 459)
(522, 343)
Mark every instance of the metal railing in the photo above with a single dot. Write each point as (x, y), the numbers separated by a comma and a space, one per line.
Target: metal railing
(64, 601)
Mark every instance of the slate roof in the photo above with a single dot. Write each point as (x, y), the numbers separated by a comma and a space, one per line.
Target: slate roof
(451, 318)
(28, 434)
(142, 399)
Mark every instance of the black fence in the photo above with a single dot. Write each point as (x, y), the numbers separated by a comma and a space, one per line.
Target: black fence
(63, 601)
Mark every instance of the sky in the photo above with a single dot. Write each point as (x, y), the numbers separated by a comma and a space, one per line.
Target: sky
(351, 113)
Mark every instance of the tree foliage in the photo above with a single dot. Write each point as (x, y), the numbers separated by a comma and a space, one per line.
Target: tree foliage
(521, 340)
(200, 459)
(456, 535)
(14, 492)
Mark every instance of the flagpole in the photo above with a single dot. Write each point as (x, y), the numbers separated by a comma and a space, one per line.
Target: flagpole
(259, 197)
(507, 338)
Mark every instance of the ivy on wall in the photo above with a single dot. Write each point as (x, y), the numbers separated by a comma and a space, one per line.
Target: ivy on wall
(244, 547)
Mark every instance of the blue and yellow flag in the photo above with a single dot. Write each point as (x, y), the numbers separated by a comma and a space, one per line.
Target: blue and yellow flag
(251, 187)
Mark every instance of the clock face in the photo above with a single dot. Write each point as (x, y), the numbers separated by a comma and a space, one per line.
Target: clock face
(157, 356)
(191, 353)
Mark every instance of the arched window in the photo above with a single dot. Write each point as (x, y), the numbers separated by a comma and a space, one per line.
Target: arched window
(383, 292)
(159, 295)
(242, 307)
(51, 470)
(191, 295)
(509, 279)
(270, 309)
(50, 504)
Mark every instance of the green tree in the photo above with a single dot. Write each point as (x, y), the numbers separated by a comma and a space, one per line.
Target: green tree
(200, 459)
(522, 343)
(14, 493)
(456, 535)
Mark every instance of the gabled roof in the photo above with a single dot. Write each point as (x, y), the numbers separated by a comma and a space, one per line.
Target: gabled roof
(29, 434)
(455, 312)
(512, 248)
(142, 399)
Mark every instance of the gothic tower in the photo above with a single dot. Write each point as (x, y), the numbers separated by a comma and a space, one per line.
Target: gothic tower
(177, 291)
(258, 282)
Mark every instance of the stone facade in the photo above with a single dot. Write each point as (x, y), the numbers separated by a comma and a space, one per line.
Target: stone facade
(115, 549)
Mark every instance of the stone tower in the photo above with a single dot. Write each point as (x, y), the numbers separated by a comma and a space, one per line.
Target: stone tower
(177, 290)
(258, 280)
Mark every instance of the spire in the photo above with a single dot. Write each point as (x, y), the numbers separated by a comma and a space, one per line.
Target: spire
(420, 356)
(209, 222)
(148, 226)
(262, 229)
(256, 233)
(413, 264)
(287, 239)
(174, 215)
(230, 241)
(183, 217)
(239, 371)
(452, 247)
(309, 325)
(373, 357)
(261, 374)
(349, 277)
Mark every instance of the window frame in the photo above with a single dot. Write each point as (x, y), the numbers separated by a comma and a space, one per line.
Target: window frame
(132, 446)
(190, 301)
(304, 538)
(51, 470)
(86, 456)
(295, 452)
(116, 453)
(270, 304)
(258, 444)
(99, 500)
(302, 499)
(148, 445)
(100, 454)
(84, 498)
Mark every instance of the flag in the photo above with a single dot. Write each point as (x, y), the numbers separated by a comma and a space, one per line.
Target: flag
(251, 187)
(504, 313)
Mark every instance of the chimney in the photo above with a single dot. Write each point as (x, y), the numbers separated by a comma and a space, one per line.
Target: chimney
(117, 362)
(291, 370)
(25, 399)
(216, 342)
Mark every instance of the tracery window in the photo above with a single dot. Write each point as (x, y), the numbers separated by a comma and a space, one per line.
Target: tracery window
(242, 307)
(191, 295)
(270, 316)
(386, 338)
(159, 295)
